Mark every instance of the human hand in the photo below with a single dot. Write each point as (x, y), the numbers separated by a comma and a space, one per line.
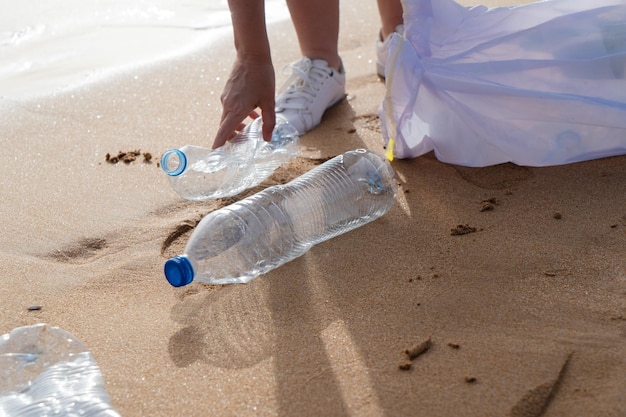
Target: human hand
(250, 86)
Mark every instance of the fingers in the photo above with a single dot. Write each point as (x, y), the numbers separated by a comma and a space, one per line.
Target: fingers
(269, 121)
(232, 124)
(226, 130)
(249, 87)
(229, 125)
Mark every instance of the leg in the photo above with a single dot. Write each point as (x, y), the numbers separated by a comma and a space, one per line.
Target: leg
(317, 26)
(390, 15)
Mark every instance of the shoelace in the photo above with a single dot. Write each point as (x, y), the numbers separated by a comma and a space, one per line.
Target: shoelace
(302, 85)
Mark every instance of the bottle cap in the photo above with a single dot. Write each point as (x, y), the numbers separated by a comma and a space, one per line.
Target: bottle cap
(178, 271)
(174, 162)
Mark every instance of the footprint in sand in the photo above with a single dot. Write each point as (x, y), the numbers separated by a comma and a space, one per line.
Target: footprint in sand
(495, 177)
(187, 212)
(87, 249)
(174, 243)
(80, 251)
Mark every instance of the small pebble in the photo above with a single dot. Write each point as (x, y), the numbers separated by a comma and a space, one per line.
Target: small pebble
(418, 349)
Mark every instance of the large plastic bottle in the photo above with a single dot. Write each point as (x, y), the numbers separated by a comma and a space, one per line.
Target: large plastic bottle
(198, 173)
(46, 371)
(237, 243)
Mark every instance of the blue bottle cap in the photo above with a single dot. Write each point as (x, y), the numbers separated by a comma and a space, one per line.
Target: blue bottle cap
(174, 162)
(178, 271)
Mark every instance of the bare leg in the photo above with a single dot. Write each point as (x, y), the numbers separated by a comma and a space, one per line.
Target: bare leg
(317, 27)
(390, 16)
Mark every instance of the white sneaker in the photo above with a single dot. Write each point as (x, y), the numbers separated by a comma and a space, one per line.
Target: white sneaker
(382, 51)
(312, 88)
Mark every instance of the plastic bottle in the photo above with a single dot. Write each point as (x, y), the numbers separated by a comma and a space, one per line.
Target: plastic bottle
(198, 173)
(46, 371)
(237, 243)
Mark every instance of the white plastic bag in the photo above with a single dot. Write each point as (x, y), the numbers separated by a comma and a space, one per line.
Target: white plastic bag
(537, 84)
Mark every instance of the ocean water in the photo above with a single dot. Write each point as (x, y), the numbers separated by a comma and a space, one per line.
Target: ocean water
(55, 45)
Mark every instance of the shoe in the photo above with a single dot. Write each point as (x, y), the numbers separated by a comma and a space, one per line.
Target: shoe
(382, 51)
(311, 89)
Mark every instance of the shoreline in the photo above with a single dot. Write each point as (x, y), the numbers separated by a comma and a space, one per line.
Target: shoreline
(51, 54)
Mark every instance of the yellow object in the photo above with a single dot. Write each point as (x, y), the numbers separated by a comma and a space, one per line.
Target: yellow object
(389, 152)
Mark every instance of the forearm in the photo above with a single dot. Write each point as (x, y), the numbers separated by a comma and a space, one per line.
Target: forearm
(250, 85)
(248, 19)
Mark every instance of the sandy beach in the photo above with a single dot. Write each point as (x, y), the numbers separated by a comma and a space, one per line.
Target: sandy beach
(516, 275)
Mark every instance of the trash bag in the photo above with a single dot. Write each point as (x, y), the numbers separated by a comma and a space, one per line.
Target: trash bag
(537, 84)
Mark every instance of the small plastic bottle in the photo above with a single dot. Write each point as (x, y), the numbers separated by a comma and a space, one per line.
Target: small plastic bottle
(198, 173)
(46, 371)
(237, 243)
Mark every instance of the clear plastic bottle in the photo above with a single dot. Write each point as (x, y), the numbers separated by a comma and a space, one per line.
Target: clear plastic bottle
(46, 371)
(237, 243)
(198, 173)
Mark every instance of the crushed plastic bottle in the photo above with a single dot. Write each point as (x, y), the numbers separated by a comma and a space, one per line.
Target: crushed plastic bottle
(237, 243)
(198, 173)
(46, 371)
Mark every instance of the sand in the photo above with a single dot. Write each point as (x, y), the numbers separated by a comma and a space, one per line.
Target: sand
(497, 291)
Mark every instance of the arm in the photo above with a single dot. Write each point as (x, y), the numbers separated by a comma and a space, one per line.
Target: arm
(251, 83)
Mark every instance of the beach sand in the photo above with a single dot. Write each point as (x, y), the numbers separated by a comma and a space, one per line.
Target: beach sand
(526, 313)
